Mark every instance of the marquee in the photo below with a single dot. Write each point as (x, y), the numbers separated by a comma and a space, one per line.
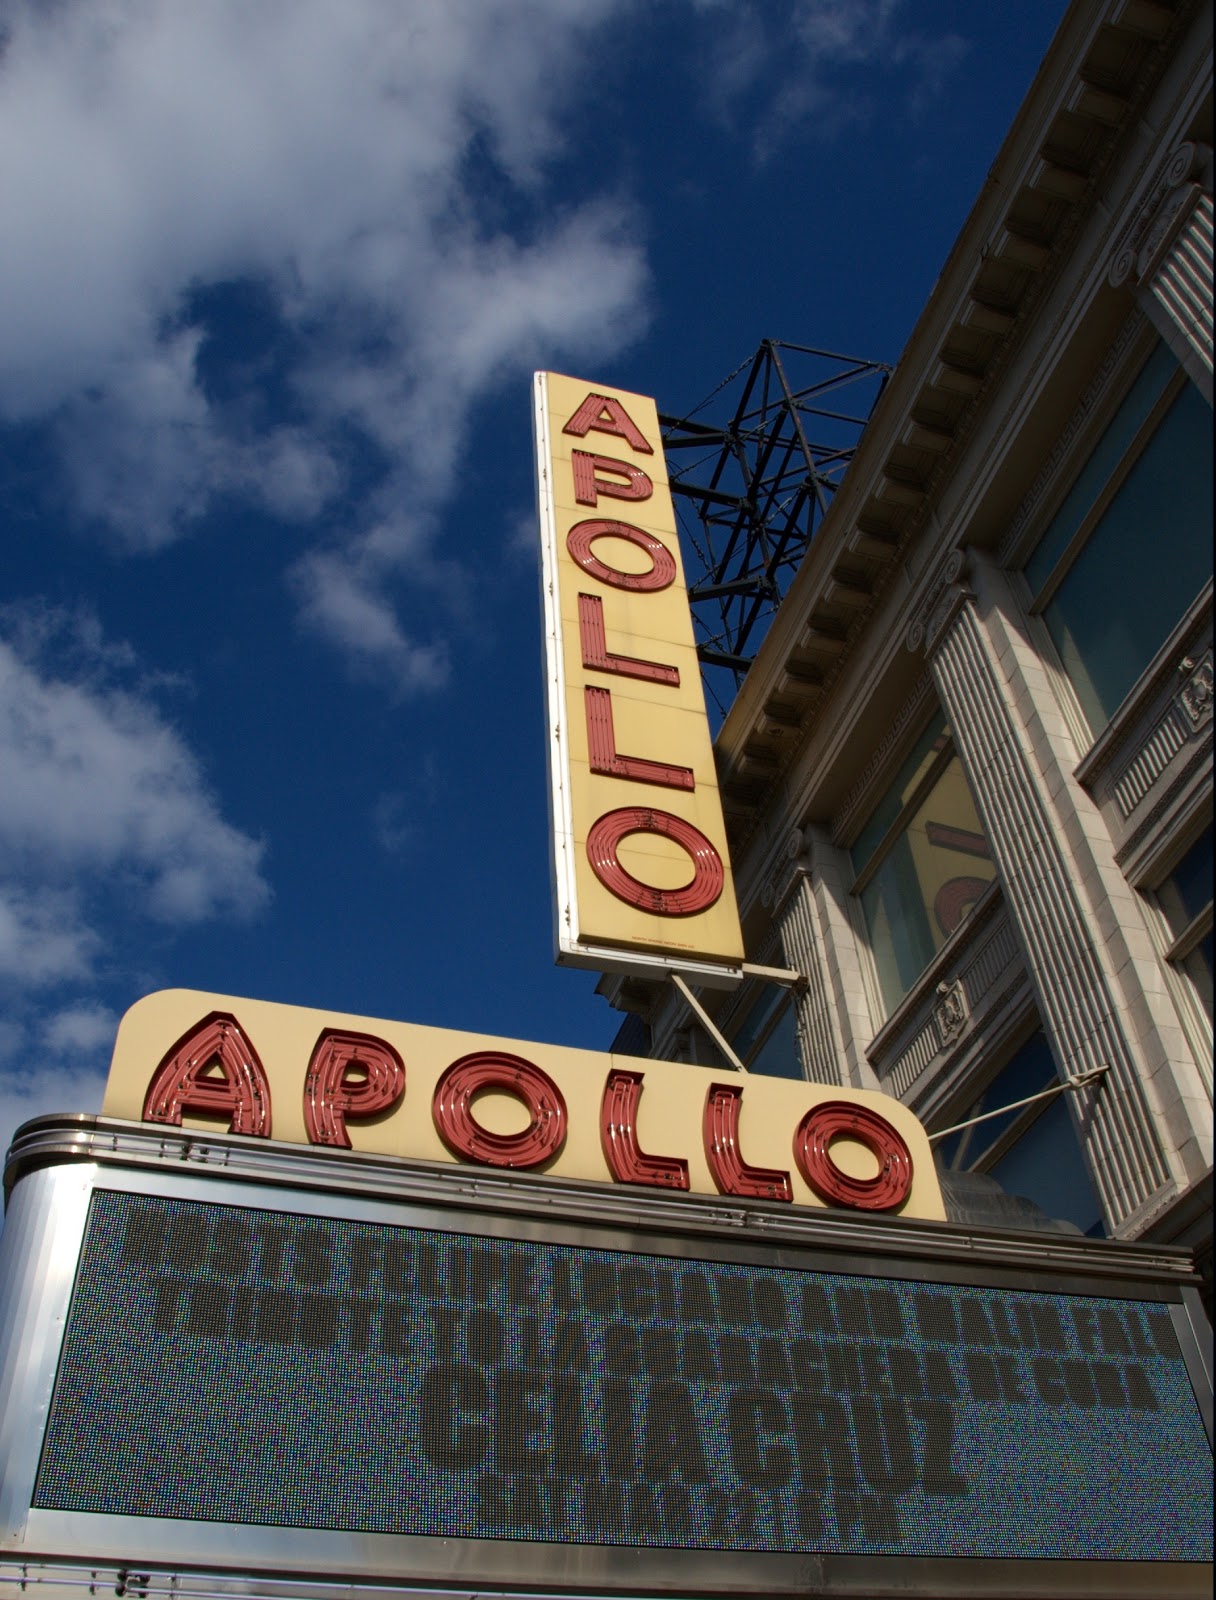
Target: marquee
(295, 1075)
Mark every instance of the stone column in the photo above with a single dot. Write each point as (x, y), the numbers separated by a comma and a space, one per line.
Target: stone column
(1141, 1124)
(806, 899)
(1165, 254)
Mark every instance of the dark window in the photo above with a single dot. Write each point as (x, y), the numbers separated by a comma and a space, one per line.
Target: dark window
(1131, 546)
(1032, 1151)
(1186, 899)
(767, 1039)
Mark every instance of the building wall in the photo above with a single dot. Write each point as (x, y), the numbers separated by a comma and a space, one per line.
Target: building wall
(979, 837)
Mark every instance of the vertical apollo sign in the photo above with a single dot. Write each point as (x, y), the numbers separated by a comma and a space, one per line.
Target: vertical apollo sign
(641, 871)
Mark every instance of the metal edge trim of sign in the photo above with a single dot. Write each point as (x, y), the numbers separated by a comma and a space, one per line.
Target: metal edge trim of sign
(726, 1228)
(561, 816)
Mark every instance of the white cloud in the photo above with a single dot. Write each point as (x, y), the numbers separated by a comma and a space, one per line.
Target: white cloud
(339, 152)
(43, 936)
(396, 814)
(44, 1091)
(97, 789)
(104, 813)
(340, 601)
(393, 825)
(146, 455)
(84, 1029)
(56, 1062)
(799, 64)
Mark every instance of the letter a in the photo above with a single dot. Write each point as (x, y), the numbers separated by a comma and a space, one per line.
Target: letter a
(213, 1069)
(600, 413)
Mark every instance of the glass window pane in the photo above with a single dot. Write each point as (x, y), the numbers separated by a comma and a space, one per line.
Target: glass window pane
(778, 1056)
(1146, 560)
(1188, 889)
(1032, 1069)
(1197, 965)
(1046, 1166)
(892, 803)
(1184, 896)
(927, 883)
(1107, 454)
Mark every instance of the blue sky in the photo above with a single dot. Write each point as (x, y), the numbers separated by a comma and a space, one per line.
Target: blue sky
(272, 283)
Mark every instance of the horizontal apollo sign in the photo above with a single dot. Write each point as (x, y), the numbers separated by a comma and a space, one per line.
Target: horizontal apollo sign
(391, 1088)
(641, 868)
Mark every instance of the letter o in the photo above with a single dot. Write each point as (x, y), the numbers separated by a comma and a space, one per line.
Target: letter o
(604, 840)
(452, 1110)
(583, 535)
(813, 1136)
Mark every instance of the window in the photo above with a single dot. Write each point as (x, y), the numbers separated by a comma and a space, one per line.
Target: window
(1031, 1151)
(1185, 899)
(767, 1039)
(1130, 547)
(921, 862)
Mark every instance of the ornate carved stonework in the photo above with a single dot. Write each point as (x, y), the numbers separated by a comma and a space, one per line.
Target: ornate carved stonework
(1183, 717)
(786, 872)
(946, 594)
(950, 1012)
(1170, 196)
(1195, 696)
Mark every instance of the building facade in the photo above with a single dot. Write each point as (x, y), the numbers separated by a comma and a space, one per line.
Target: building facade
(968, 778)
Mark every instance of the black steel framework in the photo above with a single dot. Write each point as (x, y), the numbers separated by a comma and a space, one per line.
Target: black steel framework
(757, 487)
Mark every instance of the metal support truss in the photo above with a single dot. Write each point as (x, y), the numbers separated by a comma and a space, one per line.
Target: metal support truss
(751, 491)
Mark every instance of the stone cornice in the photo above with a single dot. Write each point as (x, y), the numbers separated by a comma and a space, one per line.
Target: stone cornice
(1040, 186)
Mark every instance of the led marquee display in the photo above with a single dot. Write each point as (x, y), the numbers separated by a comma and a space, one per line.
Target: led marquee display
(250, 1366)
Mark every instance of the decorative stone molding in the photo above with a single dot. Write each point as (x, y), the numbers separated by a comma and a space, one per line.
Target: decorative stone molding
(946, 595)
(1171, 194)
(1166, 255)
(818, 941)
(1195, 696)
(950, 1013)
(974, 988)
(784, 876)
(1188, 712)
(819, 1040)
(1149, 762)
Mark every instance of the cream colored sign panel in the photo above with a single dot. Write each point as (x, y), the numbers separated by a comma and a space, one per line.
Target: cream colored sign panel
(642, 871)
(375, 1087)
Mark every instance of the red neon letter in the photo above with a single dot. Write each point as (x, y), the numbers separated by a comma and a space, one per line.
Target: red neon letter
(349, 1075)
(601, 748)
(594, 640)
(600, 413)
(212, 1069)
(452, 1109)
(813, 1136)
(626, 1161)
(663, 567)
(604, 840)
(589, 485)
(729, 1170)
